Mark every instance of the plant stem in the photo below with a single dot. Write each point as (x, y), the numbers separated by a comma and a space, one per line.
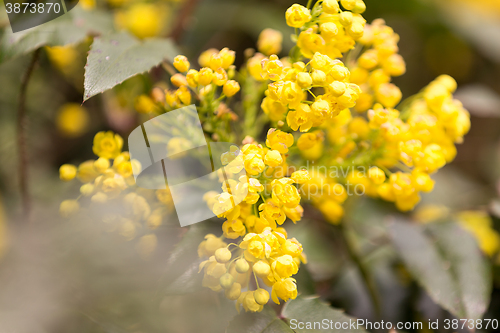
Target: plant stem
(365, 273)
(22, 124)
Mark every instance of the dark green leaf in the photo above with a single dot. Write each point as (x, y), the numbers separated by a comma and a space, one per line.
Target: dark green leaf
(182, 266)
(70, 28)
(311, 310)
(448, 265)
(117, 57)
(265, 321)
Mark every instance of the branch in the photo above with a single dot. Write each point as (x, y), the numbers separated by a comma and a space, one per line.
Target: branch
(22, 124)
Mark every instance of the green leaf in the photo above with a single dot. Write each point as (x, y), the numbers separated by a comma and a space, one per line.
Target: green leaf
(114, 58)
(70, 28)
(182, 275)
(311, 310)
(447, 263)
(265, 321)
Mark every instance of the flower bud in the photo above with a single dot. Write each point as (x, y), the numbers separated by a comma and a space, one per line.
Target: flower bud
(220, 77)
(67, 172)
(99, 198)
(345, 18)
(360, 7)
(230, 88)
(376, 175)
(234, 292)
(226, 281)
(242, 266)
(337, 88)
(68, 208)
(181, 63)
(205, 76)
(178, 80)
(304, 80)
(192, 78)
(261, 296)
(261, 268)
(329, 29)
(348, 4)
(222, 255)
(101, 164)
(331, 6)
(87, 189)
(318, 77)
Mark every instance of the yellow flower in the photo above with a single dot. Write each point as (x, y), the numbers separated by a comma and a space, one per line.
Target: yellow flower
(72, 120)
(269, 41)
(254, 65)
(285, 266)
(88, 4)
(274, 109)
(233, 228)
(254, 164)
(278, 140)
(181, 63)
(300, 119)
(285, 193)
(69, 208)
(332, 211)
(228, 56)
(331, 6)
(285, 289)
(388, 95)
(480, 225)
(87, 172)
(205, 76)
(261, 268)
(101, 164)
(222, 255)
(261, 296)
(67, 172)
(208, 247)
(230, 88)
(144, 104)
(297, 16)
(141, 19)
(192, 78)
(107, 144)
(273, 158)
(234, 292)
(220, 77)
(301, 176)
(376, 175)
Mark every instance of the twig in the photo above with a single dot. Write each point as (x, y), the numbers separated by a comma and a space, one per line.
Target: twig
(22, 124)
(365, 274)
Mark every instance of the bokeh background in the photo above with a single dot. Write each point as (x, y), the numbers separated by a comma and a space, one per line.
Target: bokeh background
(72, 276)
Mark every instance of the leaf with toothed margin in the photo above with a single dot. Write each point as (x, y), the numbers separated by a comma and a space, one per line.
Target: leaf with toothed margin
(71, 28)
(312, 310)
(265, 321)
(446, 261)
(114, 58)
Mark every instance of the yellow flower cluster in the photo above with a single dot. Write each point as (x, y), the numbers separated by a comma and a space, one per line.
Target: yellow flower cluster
(288, 94)
(109, 180)
(327, 28)
(264, 251)
(386, 150)
(204, 82)
(373, 69)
